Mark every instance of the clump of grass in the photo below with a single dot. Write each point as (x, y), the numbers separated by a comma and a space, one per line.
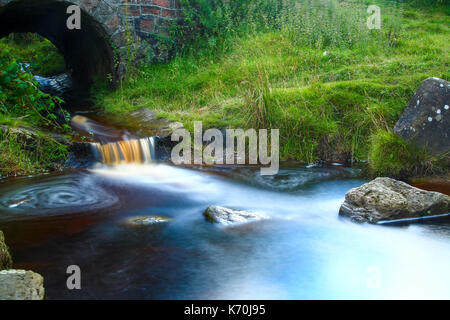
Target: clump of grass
(390, 155)
(22, 153)
(327, 121)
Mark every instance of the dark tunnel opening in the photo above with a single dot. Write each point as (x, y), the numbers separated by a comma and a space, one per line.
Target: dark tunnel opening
(87, 51)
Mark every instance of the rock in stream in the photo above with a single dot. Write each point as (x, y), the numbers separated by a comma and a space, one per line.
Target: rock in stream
(226, 216)
(385, 199)
(21, 285)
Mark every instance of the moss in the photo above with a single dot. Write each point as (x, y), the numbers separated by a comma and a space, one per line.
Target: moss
(5, 256)
(390, 155)
(43, 57)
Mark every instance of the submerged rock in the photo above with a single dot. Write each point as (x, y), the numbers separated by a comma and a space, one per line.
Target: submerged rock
(426, 120)
(21, 285)
(81, 154)
(5, 256)
(385, 199)
(226, 216)
(146, 123)
(147, 220)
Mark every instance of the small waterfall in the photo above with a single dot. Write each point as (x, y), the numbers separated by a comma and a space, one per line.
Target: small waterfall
(126, 151)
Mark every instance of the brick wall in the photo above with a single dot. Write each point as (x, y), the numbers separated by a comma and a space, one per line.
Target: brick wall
(149, 16)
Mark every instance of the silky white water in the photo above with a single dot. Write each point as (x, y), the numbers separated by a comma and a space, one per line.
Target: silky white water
(304, 251)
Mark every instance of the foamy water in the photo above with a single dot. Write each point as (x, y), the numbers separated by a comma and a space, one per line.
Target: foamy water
(304, 251)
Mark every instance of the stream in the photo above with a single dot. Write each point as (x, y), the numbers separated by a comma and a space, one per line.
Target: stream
(304, 251)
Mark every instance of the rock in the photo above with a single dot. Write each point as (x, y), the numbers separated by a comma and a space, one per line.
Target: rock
(168, 127)
(21, 285)
(143, 114)
(146, 124)
(143, 123)
(5, 256)
(30, 135)
(147, 220)
(426, 120)
(385, 199)
(226, 216)
(81, 154)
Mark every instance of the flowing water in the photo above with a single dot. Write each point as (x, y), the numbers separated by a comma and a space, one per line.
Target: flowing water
(304, 251)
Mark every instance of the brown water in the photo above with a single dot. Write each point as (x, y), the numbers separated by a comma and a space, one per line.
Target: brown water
(442, 186)
(304, 251)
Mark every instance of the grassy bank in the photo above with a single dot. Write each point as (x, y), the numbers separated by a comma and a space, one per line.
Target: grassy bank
(332, 86)
(26, 114)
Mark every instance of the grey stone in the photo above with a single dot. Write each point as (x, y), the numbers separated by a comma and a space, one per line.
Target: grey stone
(426, 120)
(21, 285)
(145, 123)
(385, 199)
(226, 216)
(143, 114)
(147, 220)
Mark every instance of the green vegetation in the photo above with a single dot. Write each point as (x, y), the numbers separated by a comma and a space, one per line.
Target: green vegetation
(27, 152)
(389, 151)
(41, 55)
(316, 72)
(22, 104)
(311, 68)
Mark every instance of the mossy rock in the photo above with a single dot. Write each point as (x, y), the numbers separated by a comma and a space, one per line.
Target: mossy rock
(5, 256)
(147, 220)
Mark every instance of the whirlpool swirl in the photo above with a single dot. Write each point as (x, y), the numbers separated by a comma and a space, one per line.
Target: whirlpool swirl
(68, 193)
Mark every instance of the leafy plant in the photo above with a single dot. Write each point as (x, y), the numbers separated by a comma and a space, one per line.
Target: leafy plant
(20, 96)
(22, 103)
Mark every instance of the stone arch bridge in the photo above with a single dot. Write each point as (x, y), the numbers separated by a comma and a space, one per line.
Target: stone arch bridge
(106, 25)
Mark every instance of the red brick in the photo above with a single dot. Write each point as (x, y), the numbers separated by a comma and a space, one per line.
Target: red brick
(150, 10)
(147, 25)
(162, 3)
(133, 11)
(167, 13)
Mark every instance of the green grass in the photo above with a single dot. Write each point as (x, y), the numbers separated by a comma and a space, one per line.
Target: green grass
(389, 151)
(42, 56)
(22, 104)
(326, 105)
(20, 155)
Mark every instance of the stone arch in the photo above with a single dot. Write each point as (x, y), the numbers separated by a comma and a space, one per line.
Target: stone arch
(96, 49)
(88, 52)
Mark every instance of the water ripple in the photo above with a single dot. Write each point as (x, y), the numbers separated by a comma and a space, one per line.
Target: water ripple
(69, 193)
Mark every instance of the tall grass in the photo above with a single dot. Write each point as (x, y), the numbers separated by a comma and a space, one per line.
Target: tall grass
(212, 25)
(309, 68)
